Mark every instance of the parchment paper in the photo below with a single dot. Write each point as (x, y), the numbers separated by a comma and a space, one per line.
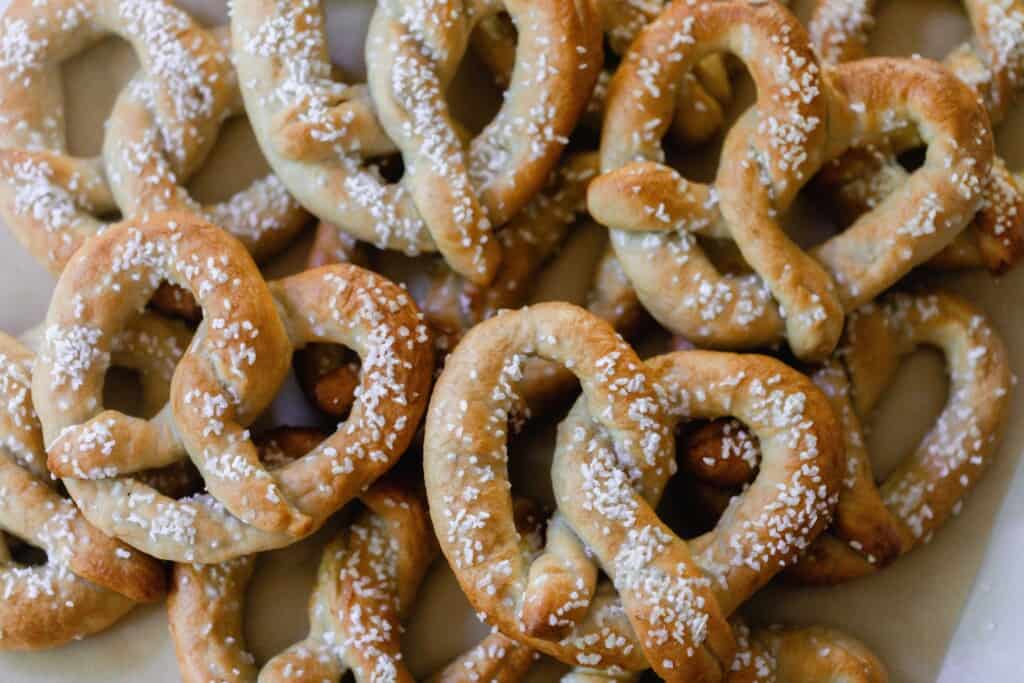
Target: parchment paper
(945, 612)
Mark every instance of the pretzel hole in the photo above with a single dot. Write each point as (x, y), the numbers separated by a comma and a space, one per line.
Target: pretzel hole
(938, 27)
(106, 67)
(23, 553)
(909, 407)
(122, 391)
(347, 22)
(279, 591)
(230, 165)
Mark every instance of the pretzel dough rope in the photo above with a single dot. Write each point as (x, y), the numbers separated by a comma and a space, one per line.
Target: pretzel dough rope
(89, 580)
(875, 524)
(866, 99)
(229, 376)
(318, 133)
(993, 65)
(467, 484)
(53, 201)
(143, 178)
(366, 584)
(700, 101)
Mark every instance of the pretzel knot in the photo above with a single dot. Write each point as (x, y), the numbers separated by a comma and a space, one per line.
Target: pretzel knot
(230, 373)
(89, 580)
(993, 65)
(51, 200)
(312, 127)
(667, 614)
(366, 585)
(655, 215)
(876, 523)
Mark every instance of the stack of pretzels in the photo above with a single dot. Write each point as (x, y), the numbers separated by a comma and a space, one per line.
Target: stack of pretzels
(425, 372)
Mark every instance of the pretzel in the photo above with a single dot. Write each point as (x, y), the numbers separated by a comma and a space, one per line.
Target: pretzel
(465, 468)
(228, 376)
(809, 655)
(317, 133)
(779, 515)
(143, 179)
(875, 524)
(367, 581)
(53, 201)
(89, 581)
(673, 277)
(993, 65)
(701, 99)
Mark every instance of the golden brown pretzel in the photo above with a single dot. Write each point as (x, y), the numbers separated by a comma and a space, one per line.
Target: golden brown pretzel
(414, 53)
(465, 464)
(764, 163)
(876, 523)
(367, 581)
(52, 201)
(317, 133)
(608, 504)
(993, 65)
(89, 580)
(656, 216)
(231, 372)
(143, 178)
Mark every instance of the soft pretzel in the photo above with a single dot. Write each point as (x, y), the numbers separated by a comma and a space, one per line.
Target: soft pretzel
(144, 179)
(700, 101)
(317, 132)
(765, 165)
(465, 465)
(414, 53)
(656, 216)
(368, 578)
(89, 580)
(811, 654)
(229, 375)
(53, 201)
(993, 65)
(609, 507)
(875, 524)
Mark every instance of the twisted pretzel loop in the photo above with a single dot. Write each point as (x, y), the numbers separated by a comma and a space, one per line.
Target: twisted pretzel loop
(230, 373)
(609, 508)
(143, 179)
(876, 523)
(89, 581)
(764, 164)
(993, 65)
(655, 215)
(53, 201)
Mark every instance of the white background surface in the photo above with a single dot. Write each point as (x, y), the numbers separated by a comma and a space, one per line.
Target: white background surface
(949, 607)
